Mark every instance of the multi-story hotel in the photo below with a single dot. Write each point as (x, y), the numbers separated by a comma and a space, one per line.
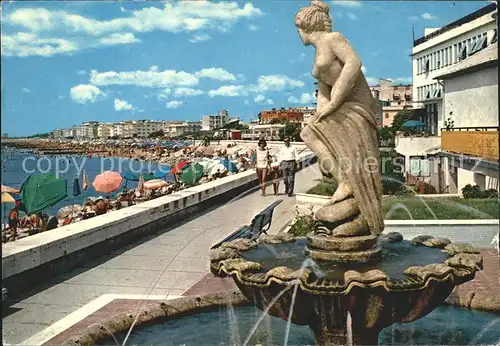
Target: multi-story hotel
(212, 122)
(455, 79)
(392, 98)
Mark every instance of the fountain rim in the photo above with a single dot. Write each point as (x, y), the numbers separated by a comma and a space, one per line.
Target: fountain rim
(461, 266)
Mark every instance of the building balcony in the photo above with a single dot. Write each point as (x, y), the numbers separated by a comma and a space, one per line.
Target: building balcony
(476, 142)
(415, 145)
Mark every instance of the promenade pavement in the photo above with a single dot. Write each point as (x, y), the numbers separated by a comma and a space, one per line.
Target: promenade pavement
(166, 263)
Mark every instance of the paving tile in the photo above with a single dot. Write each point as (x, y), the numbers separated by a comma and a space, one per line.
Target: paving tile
(38, 313)
(15, 333)
(179, 280)
(131, 262)
(116, 277)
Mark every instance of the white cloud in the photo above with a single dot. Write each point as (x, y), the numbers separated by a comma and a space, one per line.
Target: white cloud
(27, 44)
(174, 104)
(180, 92)
(363, 69)
(173, 17)
(228, 90)
(85, 93)
(26, 90)
(81, 72)
(155, 78)
(117, 38)
(150, 78)
(122, 9)
(200, 38)
(426, 16)
(347, 3)
(262, 99)
(305, 98)
(216, 73)
(122, 105)
(351, 16)
(275, 83)
(253, 27)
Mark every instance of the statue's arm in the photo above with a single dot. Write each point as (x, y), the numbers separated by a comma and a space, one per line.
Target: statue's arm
(323, 96)
(350, 72)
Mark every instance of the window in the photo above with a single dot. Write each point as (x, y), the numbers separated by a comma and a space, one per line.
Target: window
(455, 53)
(428, 94)
(463, 52)
(387, 115)
(480, 43)
(426, 65)
(494, 39)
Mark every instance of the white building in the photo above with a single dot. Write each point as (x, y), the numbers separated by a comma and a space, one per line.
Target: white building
(267, 131)
(105, 130)
(441, 48)
(212, 122)
(452, 79)
(175, 129)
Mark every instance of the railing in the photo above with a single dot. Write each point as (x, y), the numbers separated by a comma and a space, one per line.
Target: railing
(475, 141)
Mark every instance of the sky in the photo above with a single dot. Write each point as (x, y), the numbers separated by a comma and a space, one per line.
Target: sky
(66, 62)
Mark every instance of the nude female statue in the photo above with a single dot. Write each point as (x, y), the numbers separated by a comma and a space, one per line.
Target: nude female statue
(343, 132)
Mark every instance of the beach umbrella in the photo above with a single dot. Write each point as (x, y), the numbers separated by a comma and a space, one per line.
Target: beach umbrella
(85, 185)
(192, 174)
(155, 184)
(42, 191)
(229, 165)
(413, 123)
(179, 166)
(9, 190)
(76, 188)
(107, 182)
(7, 198)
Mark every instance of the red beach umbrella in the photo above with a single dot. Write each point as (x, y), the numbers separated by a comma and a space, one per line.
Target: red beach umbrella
(178, 167)
(107, 182)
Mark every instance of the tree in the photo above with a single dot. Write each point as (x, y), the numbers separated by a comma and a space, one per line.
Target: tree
(278, 121)
(400, 118)
(156, 134)
(291, 130)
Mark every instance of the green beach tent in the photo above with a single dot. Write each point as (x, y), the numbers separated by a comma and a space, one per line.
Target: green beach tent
(191, 174)
(41, 191)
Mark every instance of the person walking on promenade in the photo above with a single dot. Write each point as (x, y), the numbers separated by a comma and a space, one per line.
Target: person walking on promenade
(275, 169)
(262, 164)
(289, 163)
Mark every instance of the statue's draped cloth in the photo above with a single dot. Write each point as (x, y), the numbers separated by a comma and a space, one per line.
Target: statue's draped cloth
(351, 137)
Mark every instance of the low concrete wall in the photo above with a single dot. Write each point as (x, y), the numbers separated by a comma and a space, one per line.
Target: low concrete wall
(44, 255)
(479, 232)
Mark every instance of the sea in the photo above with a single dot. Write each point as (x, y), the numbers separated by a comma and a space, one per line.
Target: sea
(18, 165)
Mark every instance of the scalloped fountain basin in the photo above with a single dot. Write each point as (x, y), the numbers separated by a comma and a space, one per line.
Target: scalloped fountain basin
(396, 258)
(345, 303)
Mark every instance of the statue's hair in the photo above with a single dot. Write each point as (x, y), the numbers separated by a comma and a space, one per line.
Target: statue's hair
(315, 17)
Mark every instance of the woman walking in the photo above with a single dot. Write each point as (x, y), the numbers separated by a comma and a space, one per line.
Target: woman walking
(262, 164)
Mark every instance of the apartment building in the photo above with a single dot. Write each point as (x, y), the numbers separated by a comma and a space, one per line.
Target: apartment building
(175, 129)
(455, 80)
(392, 99)
(293, 115)
(212, 122)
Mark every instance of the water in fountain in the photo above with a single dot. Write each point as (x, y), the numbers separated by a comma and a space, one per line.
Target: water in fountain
(471, 327)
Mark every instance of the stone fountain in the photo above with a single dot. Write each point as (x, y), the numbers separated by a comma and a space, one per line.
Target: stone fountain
(345, 280)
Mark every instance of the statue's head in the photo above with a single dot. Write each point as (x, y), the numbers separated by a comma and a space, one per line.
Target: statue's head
(313, 18)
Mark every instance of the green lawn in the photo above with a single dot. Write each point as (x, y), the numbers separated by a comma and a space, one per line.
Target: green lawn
(398, 208)
(401, 207)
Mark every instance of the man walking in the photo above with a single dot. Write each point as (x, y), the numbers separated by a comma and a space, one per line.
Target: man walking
(289, 162)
